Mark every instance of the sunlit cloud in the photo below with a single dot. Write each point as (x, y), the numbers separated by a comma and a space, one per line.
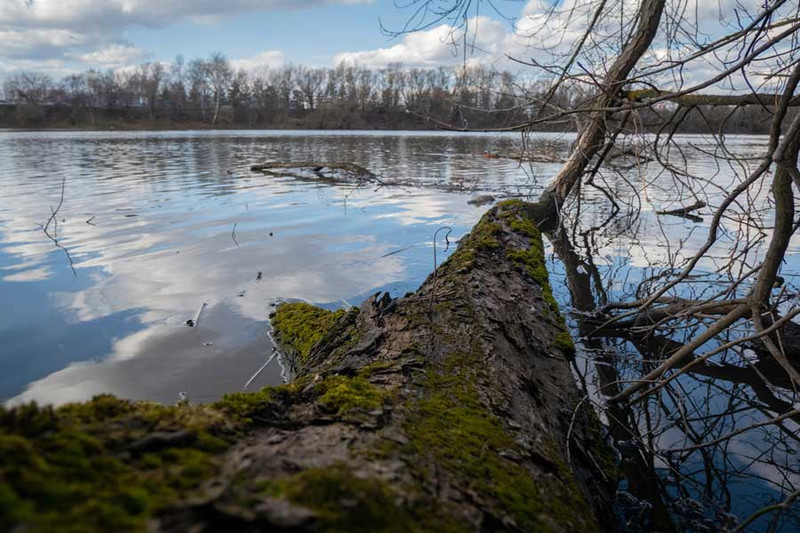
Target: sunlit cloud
(264, 60)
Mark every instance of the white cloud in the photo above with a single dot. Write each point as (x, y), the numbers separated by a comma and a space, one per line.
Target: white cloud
(92, 32)
(264, 60)
(545, 32)
(125, 13)
(113, 56)
(535, 30)
(441, 45)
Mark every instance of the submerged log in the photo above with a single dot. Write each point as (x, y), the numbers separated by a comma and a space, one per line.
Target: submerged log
(685, 212)
(450, 409)
(527, 156)
(334, 172)
(483, 199)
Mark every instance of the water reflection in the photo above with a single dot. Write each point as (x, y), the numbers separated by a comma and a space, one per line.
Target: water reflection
(703, 453)
(149, 219)
(158, 224)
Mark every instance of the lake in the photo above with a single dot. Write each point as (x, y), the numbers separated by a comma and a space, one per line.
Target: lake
(157, 228)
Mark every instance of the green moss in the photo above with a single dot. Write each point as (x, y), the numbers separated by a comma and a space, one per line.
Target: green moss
(532, 258)
(564, 342)
(377, 367)
(101, 408)
(346, 502)
(336, 394)
(186, 467)
(244, 406)
(13, 509)
(510, 203)
(450, 427)
(72, 468)
(247, 404)
(529, 261)
(342, 394)
(300, 326)
(483, 237)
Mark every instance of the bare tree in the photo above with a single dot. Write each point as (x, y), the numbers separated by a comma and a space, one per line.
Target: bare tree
(219, 74)
(151, 77)
(199, 89)
(310, 81)
(32, 88)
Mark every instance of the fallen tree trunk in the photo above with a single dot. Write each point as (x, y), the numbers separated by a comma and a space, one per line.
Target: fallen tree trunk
(452, 408)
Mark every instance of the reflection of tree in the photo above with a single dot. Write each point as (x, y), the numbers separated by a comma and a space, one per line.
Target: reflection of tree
(754, 390)
(638, 464)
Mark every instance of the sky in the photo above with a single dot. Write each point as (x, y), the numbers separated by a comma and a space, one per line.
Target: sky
(62, 36)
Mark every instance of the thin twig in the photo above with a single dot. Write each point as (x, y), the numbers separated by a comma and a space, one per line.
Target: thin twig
(233, 234)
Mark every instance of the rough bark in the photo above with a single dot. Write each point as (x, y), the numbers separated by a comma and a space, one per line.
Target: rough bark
(448, 409)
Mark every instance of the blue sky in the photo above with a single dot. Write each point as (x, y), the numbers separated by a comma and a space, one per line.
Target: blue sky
(62, 36)
(310, 36)
(59, 36)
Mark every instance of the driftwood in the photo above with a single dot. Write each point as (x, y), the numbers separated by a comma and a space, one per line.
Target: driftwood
(452, 408)
(335, 172)
(526, 156)
(685, 212)
(483, 199)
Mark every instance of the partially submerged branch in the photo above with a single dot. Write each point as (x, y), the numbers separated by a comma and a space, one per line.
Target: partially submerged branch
(337, 172)
(685, 212)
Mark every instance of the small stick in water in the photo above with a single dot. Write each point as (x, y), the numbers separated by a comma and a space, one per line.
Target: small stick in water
(196, 322)
(261, 369)
(233, 235)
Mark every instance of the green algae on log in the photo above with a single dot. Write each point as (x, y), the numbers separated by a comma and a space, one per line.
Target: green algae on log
(104, 464)
(301, 326)
(445, 410)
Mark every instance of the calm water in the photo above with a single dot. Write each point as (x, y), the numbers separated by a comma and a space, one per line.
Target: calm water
(148, 224)
(155, 225)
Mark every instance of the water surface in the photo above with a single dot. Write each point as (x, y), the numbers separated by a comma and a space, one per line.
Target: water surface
(155, 225)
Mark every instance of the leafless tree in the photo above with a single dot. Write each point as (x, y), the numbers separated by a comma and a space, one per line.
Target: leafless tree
(219, 75)
(310, 81)
(30, 87)
(151, 78)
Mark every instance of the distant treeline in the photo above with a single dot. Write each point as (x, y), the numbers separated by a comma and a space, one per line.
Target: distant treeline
(211, 93)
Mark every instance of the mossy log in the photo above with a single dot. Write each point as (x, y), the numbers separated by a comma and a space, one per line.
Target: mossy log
(449, 409)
